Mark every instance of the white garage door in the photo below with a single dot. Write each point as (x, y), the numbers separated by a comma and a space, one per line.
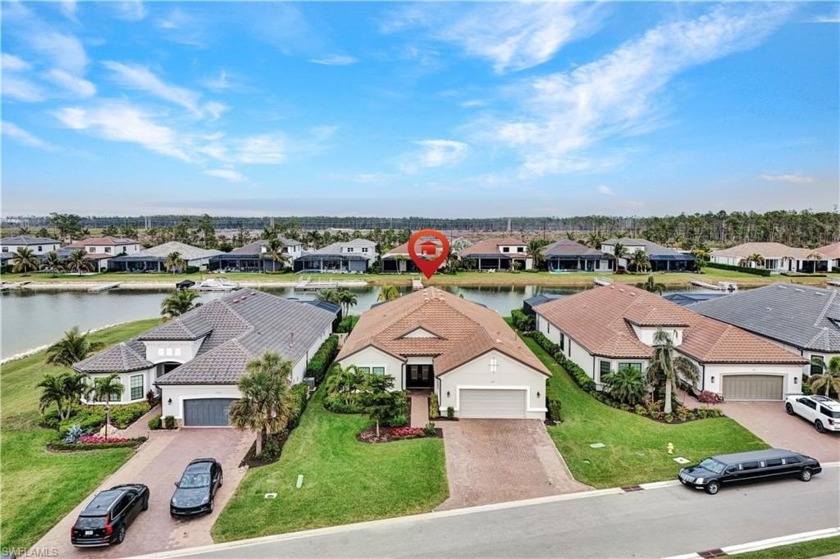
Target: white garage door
(753, 387)
(492, 404)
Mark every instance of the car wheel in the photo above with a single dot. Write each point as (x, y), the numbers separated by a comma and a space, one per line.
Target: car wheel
(819, 426)
(221, 479)
(121, 534)
(146, 503)
(211, 505)
(789, 409)
(712, 487)
(805, 475)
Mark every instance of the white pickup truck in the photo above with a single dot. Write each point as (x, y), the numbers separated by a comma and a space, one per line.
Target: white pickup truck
(822, 411)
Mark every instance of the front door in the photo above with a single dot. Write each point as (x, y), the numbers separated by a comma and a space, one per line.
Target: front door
(419, 376)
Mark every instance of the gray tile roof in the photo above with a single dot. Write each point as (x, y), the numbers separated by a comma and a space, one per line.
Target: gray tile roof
(801, 316)
(190, 326)
(121, 358)
(188, 252)
(257, 246)
(566, 247)
(26, 240)
(652, 249)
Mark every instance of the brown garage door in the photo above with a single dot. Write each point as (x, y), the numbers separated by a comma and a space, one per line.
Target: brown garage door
(753, 387)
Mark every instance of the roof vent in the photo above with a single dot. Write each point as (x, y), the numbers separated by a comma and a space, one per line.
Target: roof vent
(621, 289)
(799, 290)
(769, 309)
(291, 339)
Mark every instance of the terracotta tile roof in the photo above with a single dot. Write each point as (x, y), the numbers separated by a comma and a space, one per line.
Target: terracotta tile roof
(402, 249)
(465, 329)
(601, 321)
(832, 250)
(491, 246)
(102, 241)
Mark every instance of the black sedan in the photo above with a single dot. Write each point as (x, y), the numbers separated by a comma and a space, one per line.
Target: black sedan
(197, 489)
(106, 518)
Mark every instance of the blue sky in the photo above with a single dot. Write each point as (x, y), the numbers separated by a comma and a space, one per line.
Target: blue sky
(435, 109)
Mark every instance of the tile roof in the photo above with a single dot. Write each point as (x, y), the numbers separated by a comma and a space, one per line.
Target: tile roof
(832, 250)
(798, 315)
(491, 247)
(600, 320)
(566, 247)
(188, 252)
(102, 241)
(190, 326)
(465, 330)
(257, 246)
(401, 250)
(767, 250)
(26, 240)
(121, 358)
(338, 248)
(652, 249)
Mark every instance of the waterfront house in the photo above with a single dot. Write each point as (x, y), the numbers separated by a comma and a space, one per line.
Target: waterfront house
(832, 251)
(498, 254)
(154, 259)
(41, 246)
(398, 260)
(662, 259)
(568, 255)
(353, 256)
(776, 257)
(255, 257)
(100, 250)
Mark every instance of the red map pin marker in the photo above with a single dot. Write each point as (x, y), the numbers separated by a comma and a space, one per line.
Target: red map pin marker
(432, 254)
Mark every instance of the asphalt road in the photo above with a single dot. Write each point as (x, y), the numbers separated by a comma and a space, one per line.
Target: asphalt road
(657, 522)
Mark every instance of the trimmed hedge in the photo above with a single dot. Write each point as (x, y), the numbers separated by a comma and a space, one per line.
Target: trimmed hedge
(298, 396)
(577, 374)
(92, 417)
(744, 269)
(95, 446)
(523, 322)
(347, 324)
(323, 358)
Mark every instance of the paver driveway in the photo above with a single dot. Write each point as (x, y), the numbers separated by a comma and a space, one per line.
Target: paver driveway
(498, 460)
(769, 421)
(159, 464)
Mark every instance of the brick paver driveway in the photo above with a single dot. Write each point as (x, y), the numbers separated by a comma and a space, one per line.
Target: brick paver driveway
(498, 460)
(769, 421)
(159, 464)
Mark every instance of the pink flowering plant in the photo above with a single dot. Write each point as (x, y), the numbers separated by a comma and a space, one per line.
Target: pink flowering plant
(96, 439)
(406, 432)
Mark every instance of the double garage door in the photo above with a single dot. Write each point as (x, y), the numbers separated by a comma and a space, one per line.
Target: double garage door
(492, 404)
(207, 412)
(753, 387)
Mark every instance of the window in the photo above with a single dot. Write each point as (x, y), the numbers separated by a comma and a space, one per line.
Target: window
(750, 465)
(364, 249)
(505, 249)
(548, 327)
(349, 249)
(91, 249)
(605, 369)
(520, 249)
(817, 365)
(790, 460)
(634, 366)
(562, 342)
(774, 462)
(136, 387)
(5, 249)
(363, 369)
(108, 249)
(40, 248)
(810, 403)
(379, 371)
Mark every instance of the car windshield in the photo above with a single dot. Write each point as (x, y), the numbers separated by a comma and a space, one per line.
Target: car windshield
(90, 522)
(192, 481)
(712, 465)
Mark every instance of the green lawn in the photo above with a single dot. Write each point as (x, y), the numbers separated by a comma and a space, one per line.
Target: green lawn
(804, 550)
(345, 481)
(636, 447)
(39, 488)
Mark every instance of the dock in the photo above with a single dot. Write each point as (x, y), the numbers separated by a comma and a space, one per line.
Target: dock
(416, 284)
(103, 288)
(600, 280)
(834, 282)
(9, 286)
(309, 285)
(719, 286)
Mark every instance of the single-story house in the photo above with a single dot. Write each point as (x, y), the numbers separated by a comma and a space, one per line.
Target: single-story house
(254, 257)
(398, 260)
(776, 257)
(154, 259)
(463, 351)
(498, 254)
(608, 327)
(832, 251)
(686, 298)
(566, 254)
(41, 246)
(799, 318)
(352, 256)
(529, 304)
(195, 360)
(662, 259)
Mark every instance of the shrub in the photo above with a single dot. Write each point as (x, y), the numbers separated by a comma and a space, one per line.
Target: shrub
(154, 423)
(298, 396)
(397, 420)
(521, 321)
(151, 398)
(323, 358)
(112, 443)
(744, 269)
(554, 408)
(336, 404)
(450, 412)
(429, 429)
(169, 422)
(407, 432)
(72, 435)
(532, 271)
(347, 324)
(96, 439)
(434, 406)
(273, 446)
(709, 397)
(124, 415)
(192, 270)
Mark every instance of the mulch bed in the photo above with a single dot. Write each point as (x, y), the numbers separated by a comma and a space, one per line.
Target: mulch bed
(252, 461)
(387, 434)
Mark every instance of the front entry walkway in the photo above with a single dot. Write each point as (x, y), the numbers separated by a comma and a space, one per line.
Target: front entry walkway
(499, 460)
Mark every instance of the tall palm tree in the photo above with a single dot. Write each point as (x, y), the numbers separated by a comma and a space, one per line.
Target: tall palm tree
(274, 249)
(665, 368)
(179, 302)
(619, 251)
(651, 285)
(108, 388)
(53, 263)
(388, 293)
(328, 295)
(265, 403)
(77, 262)
(640, 261)
(72, 348)
(64, 390)
(346, 299)
(25, 261)
(534, 250)
(756, 259)
(174, 262)
(452, 262)
(829, 379)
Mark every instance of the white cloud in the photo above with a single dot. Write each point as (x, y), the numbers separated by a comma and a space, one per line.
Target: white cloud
(565, 114)
(262, 149)
(218, 83)
(435, 153)
(122, 122)
(791, 179)
(474, 103)
(68, 8)
(227, 174)
(335, 60)
(21, 89)
(215, 109)
(76, 86)
(66, 51)
(133, 10)
(605, 190)
(140, 77)
(24, 137)
(10, 62)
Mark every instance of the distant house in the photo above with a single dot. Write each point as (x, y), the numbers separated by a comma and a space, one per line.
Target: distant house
(686, 298)
(352, 256)
(194, 361)
(498, 254)
(463, 351)
(832, 251)
(802, 319)
(606, 328)
(254, 257)
(662, 259)
(566, 254)
(41, 246)
(776, 257)
(397, 260)
(154, 259)
(100, 250)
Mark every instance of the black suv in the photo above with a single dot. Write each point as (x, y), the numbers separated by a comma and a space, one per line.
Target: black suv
(197, 488)
(106, 518)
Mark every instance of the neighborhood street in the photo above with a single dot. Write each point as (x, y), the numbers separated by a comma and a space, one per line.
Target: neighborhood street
(657, 522)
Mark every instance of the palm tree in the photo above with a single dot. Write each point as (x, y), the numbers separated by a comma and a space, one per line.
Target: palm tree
(274, 249)
(619, 251)
(25, 261)
(178, 303)
(651, 285)
(829, 379)
(754, 258)
(627, 385)
(346, 299)
(666, 369)
(388, 293)
(53, 263)
(328, 295)
(72, 348)
(78, 262)
(640, 261)
(63, 390)
(106, 388)
(344, 382)
(452, 263)
(265, 403)
(174, 262)
(534, 250)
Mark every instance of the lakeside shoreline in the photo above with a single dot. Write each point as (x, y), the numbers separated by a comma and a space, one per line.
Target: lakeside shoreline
(32, 351)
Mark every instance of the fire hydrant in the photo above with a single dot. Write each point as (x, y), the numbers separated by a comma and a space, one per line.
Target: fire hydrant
(670, 448)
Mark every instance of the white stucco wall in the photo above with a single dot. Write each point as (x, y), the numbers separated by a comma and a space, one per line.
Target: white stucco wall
(43, 248)
(580, 356)
(646, 334)
(792, 374)
(550, 332)
(373, 357)
(179, 351)
(193, 391)
(511, 374)
(125, 379)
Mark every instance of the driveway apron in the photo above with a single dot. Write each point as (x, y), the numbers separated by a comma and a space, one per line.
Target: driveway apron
(498, 460)
(159, 464)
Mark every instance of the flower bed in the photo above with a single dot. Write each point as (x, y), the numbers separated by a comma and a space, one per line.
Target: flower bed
(93, 442)
(387, 434)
